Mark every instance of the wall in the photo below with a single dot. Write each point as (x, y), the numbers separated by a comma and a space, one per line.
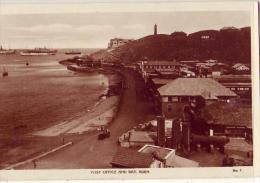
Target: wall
(139, 144)
(176, 109)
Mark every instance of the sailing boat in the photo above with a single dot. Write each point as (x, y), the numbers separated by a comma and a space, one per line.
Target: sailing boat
(5, 73)
(6, 51)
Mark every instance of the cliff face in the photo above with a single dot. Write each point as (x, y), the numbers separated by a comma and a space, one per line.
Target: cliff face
(228, 45)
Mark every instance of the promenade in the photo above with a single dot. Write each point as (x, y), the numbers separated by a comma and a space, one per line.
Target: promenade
(93, 153)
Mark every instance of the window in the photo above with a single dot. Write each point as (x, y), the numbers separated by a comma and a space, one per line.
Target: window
(170, 99)
(175, 99)
(205, 37)
(165, 99)
(169, 108)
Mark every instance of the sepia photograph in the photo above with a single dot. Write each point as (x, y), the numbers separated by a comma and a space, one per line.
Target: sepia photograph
(126, 90)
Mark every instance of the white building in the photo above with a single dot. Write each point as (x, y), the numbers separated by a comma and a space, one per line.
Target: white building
(116, 42)
(240, 67)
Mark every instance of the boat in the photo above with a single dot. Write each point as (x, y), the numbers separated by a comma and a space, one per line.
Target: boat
(6, 51)
(5, 73)
(38, 52)
(72, 52)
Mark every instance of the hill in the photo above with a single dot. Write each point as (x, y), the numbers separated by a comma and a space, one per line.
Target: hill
(229, 45)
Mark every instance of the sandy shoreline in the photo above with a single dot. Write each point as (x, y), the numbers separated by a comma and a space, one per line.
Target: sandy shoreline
(74, 129)
(101, 114)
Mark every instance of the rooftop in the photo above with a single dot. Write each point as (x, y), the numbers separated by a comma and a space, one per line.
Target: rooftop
(195, 87)
(130, 158)
(229, 114)
(178, 161)
(160, 152)
(121, 39)
(233, 78)
(159, 81)
(140, 136)
(189, 61)
(236, 144)
(238, 65)
(161, 62)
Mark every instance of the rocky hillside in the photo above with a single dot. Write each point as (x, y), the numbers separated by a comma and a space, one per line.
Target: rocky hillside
(229, 45)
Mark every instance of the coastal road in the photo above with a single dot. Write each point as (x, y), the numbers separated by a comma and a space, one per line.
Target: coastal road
(92, 153)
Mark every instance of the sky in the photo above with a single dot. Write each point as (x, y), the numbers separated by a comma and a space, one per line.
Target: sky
(95, 29)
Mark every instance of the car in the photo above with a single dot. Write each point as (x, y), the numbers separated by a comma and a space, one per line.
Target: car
(104, 134)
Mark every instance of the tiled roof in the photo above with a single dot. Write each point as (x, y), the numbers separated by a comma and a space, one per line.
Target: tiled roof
(233, 78)
(177, 161)
(228, 114)
(129, 158)
(195, 87)
(161, 81)
(140, 136)
(161, 62)
(238, 144)
(155, 151)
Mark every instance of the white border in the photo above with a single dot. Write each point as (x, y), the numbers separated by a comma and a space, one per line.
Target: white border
(222, 172)
(124, 7)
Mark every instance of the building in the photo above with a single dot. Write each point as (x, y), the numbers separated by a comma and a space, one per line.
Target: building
(158, 65)
(159, 82)
(130, 158)
(211, 61)
(187, 74)
(240, 84)
(229, 119)
(241, 151)
(240, 67)
(211, 68)
(166, 157)
(158, 68)
(140, 138)
(116, 42)
(150, 156)
(161, 155)
(189, 62)
(175, 94)
(206, 35)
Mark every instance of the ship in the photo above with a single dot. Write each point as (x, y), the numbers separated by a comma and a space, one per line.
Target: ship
(72, 52)
(5, 72)
(6, 51)
(38, 52)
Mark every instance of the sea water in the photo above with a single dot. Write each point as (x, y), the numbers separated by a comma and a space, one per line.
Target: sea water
(43, 93)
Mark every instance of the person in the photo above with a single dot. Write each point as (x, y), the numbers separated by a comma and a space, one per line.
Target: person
(34, 164)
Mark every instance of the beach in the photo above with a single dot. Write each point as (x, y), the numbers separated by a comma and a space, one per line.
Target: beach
(43, 95)
(87, 151)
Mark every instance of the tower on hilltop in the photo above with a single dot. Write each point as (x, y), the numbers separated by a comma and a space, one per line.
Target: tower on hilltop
(155, 29)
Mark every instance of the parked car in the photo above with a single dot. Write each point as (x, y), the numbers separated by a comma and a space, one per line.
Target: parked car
(104, 134)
